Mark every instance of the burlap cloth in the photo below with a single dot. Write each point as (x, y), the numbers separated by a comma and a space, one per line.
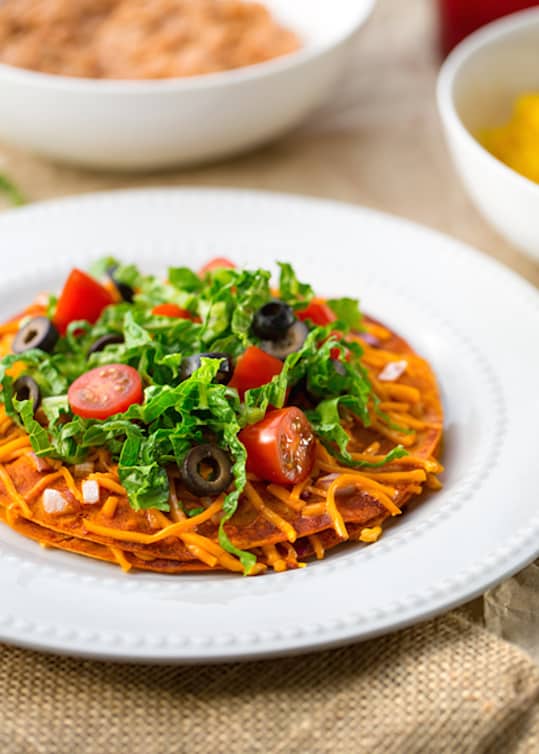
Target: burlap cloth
(445, 686)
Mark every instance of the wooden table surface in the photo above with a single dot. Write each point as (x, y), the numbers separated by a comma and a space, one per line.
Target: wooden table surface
(377, 142)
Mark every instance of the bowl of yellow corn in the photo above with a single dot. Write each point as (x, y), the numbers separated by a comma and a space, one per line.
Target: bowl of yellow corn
(488, 98)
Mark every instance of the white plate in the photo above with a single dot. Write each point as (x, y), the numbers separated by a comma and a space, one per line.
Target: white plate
(476, 322)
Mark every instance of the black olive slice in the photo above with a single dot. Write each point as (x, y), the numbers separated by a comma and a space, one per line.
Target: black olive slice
(39, 332)
(272, 321)
(291, 342)
(26, 388)
(125, 290)
(104, 341)
(191, 363)
(207, 470)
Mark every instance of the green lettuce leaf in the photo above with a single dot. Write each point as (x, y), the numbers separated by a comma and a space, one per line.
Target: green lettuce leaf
(348, 312)
(184, 279)
(326, 421)
(291, 290)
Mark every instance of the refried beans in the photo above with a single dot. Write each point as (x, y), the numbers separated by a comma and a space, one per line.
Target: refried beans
(139, 39)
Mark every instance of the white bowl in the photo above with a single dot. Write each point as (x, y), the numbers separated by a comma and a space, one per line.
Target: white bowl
(134, 125)
(477, 86)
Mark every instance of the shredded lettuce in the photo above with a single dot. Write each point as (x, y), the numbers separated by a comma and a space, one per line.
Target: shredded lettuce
(326, 420)
(348, 312)
(291, 290)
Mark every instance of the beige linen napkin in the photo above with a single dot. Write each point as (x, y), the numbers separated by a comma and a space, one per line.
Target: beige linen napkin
(444, 686)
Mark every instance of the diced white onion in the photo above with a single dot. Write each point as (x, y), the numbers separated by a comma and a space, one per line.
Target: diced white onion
(54, 501)
(325, 481)
(83, 469)
(372, 340)
(41, 464)
(393, 371)
(42, 299)
(90, 491)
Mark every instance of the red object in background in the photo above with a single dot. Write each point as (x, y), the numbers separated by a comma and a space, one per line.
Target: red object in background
(458, 18)
(218, 263)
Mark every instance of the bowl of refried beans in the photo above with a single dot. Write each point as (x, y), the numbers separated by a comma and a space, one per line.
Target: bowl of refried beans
(147, 84)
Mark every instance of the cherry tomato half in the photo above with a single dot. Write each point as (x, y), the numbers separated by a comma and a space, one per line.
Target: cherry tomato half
(318, 312)
(171, 310)
(219, 263)
(281, 447)
(105, 391)
(82, 298)
(254, 368)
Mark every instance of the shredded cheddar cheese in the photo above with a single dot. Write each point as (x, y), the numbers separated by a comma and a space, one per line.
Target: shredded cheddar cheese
(7, 448)
(331, 506)
(286, 497)
(257, 502)
(316, 543)
(124, 564)
(16, 498)
(370, 535)
(110, 506)
(107, 483)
